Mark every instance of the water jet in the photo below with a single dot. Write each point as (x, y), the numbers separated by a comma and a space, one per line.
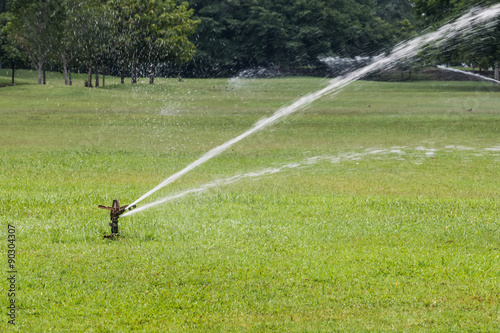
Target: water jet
(481, 77)
(483, 18)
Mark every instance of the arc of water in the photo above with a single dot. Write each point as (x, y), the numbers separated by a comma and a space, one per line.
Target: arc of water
(210, 185)
(408, 49)
(269, 171)
(482, 77)
(263, 123)
(264, 172)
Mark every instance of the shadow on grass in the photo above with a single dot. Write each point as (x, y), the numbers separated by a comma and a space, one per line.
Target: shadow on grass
(9, 84)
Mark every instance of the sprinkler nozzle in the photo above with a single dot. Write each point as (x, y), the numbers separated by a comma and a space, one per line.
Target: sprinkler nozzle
(115, 213)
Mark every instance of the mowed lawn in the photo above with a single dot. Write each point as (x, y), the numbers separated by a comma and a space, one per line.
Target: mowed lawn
(382, 213)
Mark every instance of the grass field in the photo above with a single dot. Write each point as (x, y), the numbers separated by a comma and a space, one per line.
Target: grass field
(386, 220)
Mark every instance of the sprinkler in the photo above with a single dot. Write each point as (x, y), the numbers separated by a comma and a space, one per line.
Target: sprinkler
(115, 213)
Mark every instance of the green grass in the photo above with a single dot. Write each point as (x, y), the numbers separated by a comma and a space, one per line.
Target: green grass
(397, 231)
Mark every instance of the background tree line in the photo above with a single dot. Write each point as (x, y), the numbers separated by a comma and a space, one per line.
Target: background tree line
(208, 38)
(240, 34)
(482, 49)
(97, 36)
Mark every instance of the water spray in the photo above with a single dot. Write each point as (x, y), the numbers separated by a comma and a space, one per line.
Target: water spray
(409, 49)
(482, 77)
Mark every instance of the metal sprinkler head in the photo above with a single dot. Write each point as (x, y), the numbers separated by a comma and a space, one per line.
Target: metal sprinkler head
(115, 213)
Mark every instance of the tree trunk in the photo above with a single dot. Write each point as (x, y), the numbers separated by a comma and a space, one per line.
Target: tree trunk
(134, 75)
(44, 77)
(104, 78)
(151, 74)
(89, 81)
(13, 71)
(496, 71)
(97, 77)
(65, 69)
(70, 79)
(122, 76)
(39, 69)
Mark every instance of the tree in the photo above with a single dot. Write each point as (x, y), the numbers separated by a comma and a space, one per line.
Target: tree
(3, 6)
(238, 34)
(38, 26)
(152, 31)
(217, 38)
(90, 36)
(482, 47)
(395, 11)
(73, 32)
(11, 52)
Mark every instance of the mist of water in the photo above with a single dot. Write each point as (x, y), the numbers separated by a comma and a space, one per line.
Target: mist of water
(264, 172)
(216, 183)
(398, 152)
(482, 77)
(472, 20)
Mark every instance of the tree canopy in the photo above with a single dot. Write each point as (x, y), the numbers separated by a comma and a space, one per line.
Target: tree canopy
(239, 34)
(98, 33)
(152, 31)
(482, 48)
(221, 37)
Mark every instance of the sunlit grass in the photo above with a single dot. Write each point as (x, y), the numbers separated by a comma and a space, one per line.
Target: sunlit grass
(396, 229)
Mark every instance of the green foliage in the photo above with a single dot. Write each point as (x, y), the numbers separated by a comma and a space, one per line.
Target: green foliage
(481, 49)
(88, 37)
(10, 50)
(39, 28)
(153, 31)
(229, 35)
(6, 5)
(101, 33)
(236, 35)
(395, 11)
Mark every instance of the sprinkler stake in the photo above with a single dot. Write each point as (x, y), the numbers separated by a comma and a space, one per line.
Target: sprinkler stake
(115, 213)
